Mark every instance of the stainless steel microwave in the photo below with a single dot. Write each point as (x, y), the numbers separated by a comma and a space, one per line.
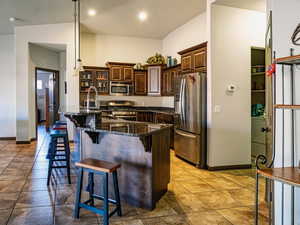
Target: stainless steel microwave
(120, 88)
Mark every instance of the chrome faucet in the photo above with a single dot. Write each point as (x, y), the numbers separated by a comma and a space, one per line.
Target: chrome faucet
(88, 97)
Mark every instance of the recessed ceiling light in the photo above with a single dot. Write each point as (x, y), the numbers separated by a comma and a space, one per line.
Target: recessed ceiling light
(142, 16)
(92, 12)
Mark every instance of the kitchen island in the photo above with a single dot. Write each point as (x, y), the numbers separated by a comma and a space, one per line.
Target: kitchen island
(142, 149)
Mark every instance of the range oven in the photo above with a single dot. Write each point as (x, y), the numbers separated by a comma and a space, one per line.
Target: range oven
(120, 88)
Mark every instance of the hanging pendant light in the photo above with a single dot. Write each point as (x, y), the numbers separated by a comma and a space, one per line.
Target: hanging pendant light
(78, 67)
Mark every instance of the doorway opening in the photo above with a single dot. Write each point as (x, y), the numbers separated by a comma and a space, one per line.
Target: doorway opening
(258, 102)
(47, 97)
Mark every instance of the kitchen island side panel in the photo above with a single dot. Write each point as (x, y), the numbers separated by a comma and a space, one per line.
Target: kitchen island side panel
(144, 173)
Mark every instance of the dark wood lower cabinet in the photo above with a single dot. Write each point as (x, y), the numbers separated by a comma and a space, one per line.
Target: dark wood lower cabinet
(156, 117)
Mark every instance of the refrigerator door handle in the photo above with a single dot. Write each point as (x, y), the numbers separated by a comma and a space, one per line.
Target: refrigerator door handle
(185, 135)
(183, 103)
(180, 99)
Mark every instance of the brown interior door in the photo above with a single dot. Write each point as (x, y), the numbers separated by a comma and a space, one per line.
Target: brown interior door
(47, 122)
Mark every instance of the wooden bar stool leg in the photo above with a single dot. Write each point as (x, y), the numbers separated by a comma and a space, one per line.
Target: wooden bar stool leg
(91, 187)
(106, 206)
(117, 193)
(78, 194)
(67, 150)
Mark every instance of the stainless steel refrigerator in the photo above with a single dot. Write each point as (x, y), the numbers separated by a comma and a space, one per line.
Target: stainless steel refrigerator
(191, 111)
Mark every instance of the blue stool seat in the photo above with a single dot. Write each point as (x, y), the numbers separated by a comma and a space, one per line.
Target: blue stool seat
(59, 122)
(94, 166)
(59, 151)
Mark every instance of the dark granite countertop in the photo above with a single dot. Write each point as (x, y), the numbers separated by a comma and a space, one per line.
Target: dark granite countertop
(164, 110)
(82, 121)
(128, 128)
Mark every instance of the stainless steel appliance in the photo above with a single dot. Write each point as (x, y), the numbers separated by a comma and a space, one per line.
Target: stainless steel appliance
(190, 109)
(120, 88)
(122, 110)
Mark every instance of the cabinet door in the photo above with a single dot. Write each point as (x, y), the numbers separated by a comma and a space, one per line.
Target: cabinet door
(140, 83)
(154, 82)
(128, 73)
(165, 84)
(116, 73)
(199, 58)
(186, 63)
(171, 82)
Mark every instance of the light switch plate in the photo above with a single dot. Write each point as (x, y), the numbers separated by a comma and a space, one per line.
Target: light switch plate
(217, 109)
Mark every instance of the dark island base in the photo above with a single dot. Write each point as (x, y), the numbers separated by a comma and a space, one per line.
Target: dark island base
(145, 164)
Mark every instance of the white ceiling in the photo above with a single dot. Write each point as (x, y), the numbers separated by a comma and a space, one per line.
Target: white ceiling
(117, 17)
(257, 5)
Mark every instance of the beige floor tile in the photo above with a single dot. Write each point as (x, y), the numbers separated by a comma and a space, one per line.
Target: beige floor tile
(8, 200)
(207, 218)
(241, 216)
(4, 215)
(35, 199)
(28, 216)
(222, 184)
(186, 203)
(11, 186)
(217, 200)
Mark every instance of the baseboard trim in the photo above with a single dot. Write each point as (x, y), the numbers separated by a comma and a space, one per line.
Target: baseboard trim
(230, 167)
(22, 142)
(7, 138)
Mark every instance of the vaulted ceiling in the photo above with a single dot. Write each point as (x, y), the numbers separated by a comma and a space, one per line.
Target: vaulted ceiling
(117, 17)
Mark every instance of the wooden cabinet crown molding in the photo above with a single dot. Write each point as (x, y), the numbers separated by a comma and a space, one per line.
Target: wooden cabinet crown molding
(196, 47)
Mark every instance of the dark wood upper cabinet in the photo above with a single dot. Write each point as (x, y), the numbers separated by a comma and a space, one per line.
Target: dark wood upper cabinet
(186, 63)
(200, 58)
(140, 82)
(168, 78)
(121, 71)
(194, 59)
(128, 73)
(116, 73)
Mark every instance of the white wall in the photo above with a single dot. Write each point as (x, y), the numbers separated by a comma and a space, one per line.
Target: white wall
(231, 38)
(7, 86)
(50, 33)
(62, 79)
(99, 49)
(191, 33)
(285, 20)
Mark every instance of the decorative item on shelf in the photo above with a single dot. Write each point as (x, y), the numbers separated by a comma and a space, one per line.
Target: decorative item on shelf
(157, 59)
(138, 66)
(257, 110)
(169, 61)
(174, 62)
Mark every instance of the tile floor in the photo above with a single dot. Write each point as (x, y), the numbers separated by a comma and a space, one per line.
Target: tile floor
(195, 197)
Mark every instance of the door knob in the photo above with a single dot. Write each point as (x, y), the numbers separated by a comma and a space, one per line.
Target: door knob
(265, 129)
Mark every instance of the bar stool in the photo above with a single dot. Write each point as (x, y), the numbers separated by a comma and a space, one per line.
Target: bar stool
(94, 166)
(55, 150)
